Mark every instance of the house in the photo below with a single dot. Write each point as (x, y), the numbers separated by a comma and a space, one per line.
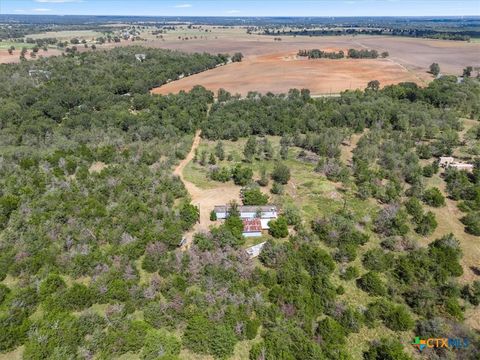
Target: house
(255, 250)
(140, 57)
(252, 227)
(445, 161)
(450, 162)
(462, 166)
(248, 212)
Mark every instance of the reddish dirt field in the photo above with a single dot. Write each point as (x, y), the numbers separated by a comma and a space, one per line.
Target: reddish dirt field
(272, 66)
(6, 58)
(280, 72)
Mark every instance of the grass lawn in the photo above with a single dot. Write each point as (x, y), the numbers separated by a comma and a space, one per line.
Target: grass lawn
(17, 45)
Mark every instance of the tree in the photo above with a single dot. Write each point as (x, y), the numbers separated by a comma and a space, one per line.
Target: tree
(253, 196)
(386, 349)
(197, 334)
(372, 284)
(212, 160)
(331, 332)
(242, 175)
(467, 72)
(11, 49)
(415, 209)
(385, 54)
(250, 148)
(281, 173)
(237, 57)
(189, 214)
(472, 222)
(434, 197)
(373, 85)
(427, 224)
(219, 151)
(278, 228)
(434, 69)
(263, 181)
(160, 344)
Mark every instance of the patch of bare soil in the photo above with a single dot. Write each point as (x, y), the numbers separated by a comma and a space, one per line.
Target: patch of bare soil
(205, 199)
(97, 167)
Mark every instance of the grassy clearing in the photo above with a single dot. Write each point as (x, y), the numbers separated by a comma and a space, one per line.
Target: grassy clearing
(67, 35)
(5, 45)
(357, 343)
(448, 218)
(310, 191)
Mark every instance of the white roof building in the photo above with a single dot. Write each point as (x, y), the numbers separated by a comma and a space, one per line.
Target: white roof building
(255, 250)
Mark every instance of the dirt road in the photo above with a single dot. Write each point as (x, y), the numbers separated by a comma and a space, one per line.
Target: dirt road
(205, 199)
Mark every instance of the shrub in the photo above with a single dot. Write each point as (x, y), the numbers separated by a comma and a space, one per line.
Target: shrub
(221, 174)
(222, 341)
(427, 224)
(213, 215)
(160, 344)
(399, 319)
(292, 215)
(414, 208)
(386, 349)
(189, 214)
(203, 242)
(433, 197)
(252, 328)
(472, 223)
(4, 291)
(377, 260)
(242, 175)
(471, 293)
(331, 332)
(276, 189)
(78, 297)
(278, 228)
(372, 284)
(51, 284)
(350, 273)
(253, 196)
(281, 173)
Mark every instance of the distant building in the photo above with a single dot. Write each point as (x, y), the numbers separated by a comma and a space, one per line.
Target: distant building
(35, 72)
(140, 57)
(252, 227)
(255, 250)
(445, 161)
(450, 162)
(248, 212)
(462, 166)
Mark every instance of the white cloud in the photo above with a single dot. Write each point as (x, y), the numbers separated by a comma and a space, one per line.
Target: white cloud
(233, 11)
(20, 10)
(183, 6)
(41, 10)
(57, 1)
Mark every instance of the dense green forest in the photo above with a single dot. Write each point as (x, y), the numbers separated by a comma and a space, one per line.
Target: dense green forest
(91, 216)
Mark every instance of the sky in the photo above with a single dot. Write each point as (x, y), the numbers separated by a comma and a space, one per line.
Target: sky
(244, 7)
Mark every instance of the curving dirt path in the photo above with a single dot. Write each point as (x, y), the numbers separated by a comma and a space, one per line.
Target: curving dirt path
(205, 199)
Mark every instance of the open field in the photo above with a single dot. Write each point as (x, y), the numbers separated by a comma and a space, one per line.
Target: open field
(67, 35)
(272, 65)
(280, 72)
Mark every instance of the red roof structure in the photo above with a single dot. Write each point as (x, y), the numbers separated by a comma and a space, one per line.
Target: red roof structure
(252, 225)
